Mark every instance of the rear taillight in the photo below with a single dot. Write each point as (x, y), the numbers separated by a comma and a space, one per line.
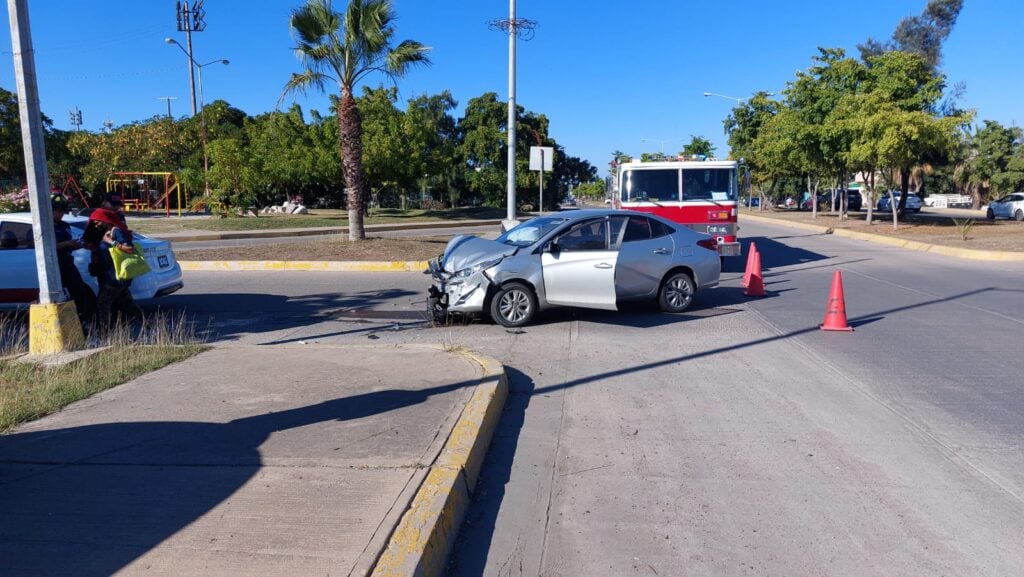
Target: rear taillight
(708, 243)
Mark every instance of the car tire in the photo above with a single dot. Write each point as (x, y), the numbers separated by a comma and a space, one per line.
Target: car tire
(990, 214)
(513, 305)
(676, 293)
(1019, 215)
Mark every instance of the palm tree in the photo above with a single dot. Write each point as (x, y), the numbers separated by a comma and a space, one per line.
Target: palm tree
(345, 48)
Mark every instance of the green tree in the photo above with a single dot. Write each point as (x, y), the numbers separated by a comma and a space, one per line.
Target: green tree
(699, 146)
(345, 48)
(483, 145)
(386, 151)
(431, 135)
(922, 35)
(743, 126)
(991, 165)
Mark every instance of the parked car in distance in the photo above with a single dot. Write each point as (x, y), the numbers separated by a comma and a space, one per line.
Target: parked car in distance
(913, 202)
(591, 258)
(825, 200)
(854, 201)
(1010, 206)
(568, 203)
(19, 283)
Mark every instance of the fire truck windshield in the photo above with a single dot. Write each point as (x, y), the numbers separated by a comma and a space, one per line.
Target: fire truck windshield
(708, 184)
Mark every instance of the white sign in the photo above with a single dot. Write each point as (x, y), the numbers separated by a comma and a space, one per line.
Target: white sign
(547, 153)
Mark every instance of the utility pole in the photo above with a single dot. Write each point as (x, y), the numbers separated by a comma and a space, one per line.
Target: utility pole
(516, 27)
(190, 20)
(53, 323)
(168, 99)
(76, 118)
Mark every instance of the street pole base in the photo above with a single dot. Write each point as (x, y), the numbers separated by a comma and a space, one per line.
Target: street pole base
(508, 223)
(54, 328)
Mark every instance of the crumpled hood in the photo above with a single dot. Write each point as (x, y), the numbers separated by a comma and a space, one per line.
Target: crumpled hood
(466, 250)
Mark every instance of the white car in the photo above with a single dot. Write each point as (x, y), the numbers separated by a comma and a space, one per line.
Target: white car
(1010, 206)
(19, 283)
(913, 202)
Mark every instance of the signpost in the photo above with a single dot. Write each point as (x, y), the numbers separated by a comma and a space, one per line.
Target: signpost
(542, 158)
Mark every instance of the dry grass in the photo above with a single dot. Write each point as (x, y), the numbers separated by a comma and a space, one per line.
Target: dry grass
(29, 391)
(338, 249)
(157, 224)
(928, 226)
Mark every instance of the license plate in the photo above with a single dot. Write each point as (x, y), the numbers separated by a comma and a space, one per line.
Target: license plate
(162, 260)
(717, 229)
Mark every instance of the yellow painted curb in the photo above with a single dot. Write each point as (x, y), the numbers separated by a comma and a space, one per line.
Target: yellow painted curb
(964, 253)
(54, 328)
(305, 265)
(424, 536)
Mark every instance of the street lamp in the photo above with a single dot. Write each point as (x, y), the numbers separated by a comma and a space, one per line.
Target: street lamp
(202, 106)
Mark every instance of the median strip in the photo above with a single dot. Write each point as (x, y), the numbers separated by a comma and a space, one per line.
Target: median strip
(964, 253)
(304, 265)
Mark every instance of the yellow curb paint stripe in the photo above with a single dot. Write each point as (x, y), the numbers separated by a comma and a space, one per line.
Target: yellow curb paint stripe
(964, 253)
(313, 266)
(424, 536)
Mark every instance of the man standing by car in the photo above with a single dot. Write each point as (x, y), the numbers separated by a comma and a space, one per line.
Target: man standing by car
(70, 278)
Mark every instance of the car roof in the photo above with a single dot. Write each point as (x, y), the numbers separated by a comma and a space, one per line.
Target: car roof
(26, 217)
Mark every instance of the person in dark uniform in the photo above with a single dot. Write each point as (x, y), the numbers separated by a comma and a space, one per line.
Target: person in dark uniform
(70, 278)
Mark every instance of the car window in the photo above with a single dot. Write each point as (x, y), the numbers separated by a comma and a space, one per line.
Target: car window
(660, 229)
(589, 235)
(637, 228)
(16, 235)
(530, 231)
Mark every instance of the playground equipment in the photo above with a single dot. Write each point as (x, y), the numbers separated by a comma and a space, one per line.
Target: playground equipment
(70, 189)
(149, 190)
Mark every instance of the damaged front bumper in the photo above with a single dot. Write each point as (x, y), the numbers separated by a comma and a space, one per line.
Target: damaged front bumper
(449, 294)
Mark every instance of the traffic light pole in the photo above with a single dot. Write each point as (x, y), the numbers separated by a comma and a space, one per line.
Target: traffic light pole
(53, 324)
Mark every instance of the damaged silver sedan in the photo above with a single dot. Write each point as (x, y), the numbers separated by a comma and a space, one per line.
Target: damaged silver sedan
(586, 258)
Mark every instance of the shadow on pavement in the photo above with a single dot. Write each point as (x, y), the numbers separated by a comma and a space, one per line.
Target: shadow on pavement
(123, 488)
(469, 556)
(227, 316)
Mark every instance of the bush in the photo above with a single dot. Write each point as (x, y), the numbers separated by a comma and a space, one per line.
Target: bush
(14, 201)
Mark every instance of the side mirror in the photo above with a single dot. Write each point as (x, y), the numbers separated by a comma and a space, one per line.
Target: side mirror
(551, 247)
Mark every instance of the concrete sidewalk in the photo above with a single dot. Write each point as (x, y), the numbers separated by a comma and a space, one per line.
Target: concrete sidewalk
(308, 460)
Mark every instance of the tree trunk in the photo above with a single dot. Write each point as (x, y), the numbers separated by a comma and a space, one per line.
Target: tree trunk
(351, 145)
(869, 194)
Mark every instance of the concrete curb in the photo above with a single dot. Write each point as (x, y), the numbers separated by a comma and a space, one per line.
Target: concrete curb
(964, 253)
(293, 232)
(305, 265)
(423, 539)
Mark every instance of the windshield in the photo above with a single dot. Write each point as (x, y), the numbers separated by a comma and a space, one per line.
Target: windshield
(530, 231)
(709, 184)
(660, 184)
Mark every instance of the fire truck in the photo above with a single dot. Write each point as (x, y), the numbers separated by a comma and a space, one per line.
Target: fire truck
(700, 194)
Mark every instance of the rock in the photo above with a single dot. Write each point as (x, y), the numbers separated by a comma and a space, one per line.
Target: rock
(299, 209)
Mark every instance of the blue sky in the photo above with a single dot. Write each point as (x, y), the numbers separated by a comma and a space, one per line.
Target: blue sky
(626, 76)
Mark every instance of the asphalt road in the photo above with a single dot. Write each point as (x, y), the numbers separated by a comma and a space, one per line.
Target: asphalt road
(737, 439)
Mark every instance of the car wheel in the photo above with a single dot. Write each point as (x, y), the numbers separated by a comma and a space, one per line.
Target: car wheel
(991, 215)
(513, 305)
(676, 293)
(1019, 215)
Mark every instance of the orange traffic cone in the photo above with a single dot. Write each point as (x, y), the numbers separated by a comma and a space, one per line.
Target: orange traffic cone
(755, 287)
(750, 264)
(835, 310)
